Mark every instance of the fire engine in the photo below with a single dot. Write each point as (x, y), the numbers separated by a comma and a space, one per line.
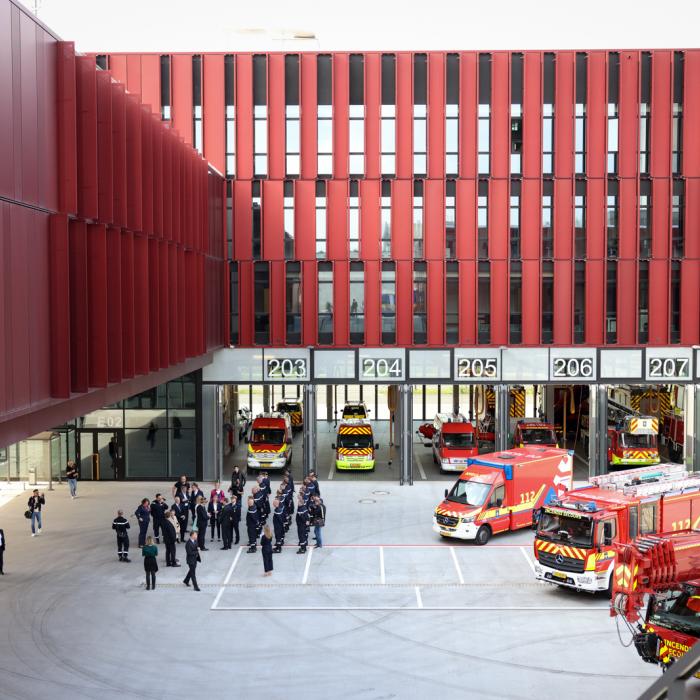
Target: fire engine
(497, 492)
(574, 545)
(530, 431)
(666, 568)
(634, 442)
(270, 442)
(674, 425)
(453, 441)
(293, 410)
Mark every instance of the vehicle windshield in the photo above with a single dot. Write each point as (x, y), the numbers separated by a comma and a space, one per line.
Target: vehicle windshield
(354, 442)
(673, 613)
(644, 441)
(458, 440)
(288, 407)
(351, 411)
(538, 436)
(560, 528)
(469, 493)
(271, 436)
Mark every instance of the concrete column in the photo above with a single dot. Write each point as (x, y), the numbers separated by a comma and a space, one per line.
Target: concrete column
(691, 424)
(234, 415)
(502, 423)
(598, 430)
(329, 403)
(548, 402)
(266, 398)
(309, 437)
(455, 398)
(212, 458)
(404, 429)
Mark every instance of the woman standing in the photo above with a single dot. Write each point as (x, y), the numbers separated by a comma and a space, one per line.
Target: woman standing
(150, 563)
(266, 545)
(215, 516)
(201, 518)
(218, 492)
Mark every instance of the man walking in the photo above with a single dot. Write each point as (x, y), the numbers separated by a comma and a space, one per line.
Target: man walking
(72, 477)
(193, 557)
(3, 542)
(35, 503)
(120, 524)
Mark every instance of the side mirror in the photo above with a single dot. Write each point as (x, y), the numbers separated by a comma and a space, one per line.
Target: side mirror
(445, 493)
(333, 446)
(607, 534)
(376, 445)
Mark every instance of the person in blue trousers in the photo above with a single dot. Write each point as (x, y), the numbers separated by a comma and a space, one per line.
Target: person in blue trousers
(35, 503)
(143, 515)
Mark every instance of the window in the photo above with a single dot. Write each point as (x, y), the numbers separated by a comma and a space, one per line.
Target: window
(165, 87)
(675, 317)
(677, 125)
(102, 62)
(548, 114)
(357, 303)
(580, 114)
(321, 219)
(645, 114)
(357, 115)
(388, 114)
(644, 218)
(386, 218)
(580, 219)
(677, 223)
(611, 303)
(388, 303)
(233, 300)
(289, 220)
(613, 104)
(354, 220)
(197, 102)
(483, 220)
(452, 115)
(451, 303)
(643, 301)
(633, 522)
(516, 302)
(547, 230)
(325, 303)
(293, 303)
(420, 114)
(260, 115)
(484, 301)
(647, 520)
(292, 127)
(579, 301)
(420, 306)
(516, 113)
(612, 219)
(229, 219)
(417, 219)
(261, 273)
(324, 84)
(229, 99)
(450, 220)
(514, 219)
(484, 115)
(547, 302)
(256, 219)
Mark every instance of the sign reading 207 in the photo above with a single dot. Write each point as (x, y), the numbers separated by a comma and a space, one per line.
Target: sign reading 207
(381, 368)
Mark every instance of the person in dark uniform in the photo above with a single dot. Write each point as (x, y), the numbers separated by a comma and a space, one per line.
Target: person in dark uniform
(310, 485)
(265, 483)
(193, 557)
(266, 547)
(302, 525)
(214, 510)
(251, 523)
(314, 478)
(181, 515)
(288, 488)
(182, 489)
(120, 524)
(3, 542)
(158, 508)
(235, 502)
(195, 494)
(237, 483)
(258, 497)
(150, 563)
(201, 517)
(227, 524)
(143, 515)
(278, 524)
(169, 539)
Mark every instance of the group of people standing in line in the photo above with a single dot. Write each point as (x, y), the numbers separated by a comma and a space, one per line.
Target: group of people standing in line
(222, 514)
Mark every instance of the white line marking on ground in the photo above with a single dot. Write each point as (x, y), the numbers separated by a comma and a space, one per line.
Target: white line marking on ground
(227, 579)
(332, 471)
(528, 560)
(308, 564)
(457, 566)
(434, 608)
(382, 574)
(419, 600)
(421, 470)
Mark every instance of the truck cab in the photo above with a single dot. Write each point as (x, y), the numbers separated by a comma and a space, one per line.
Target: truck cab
(294, 411)
(270, 441)
(454, 440)
(634, 442)
(357, 410)
(533, 432)
(354, 446)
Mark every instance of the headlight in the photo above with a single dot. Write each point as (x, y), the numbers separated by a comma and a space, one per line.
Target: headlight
(538, 569)
(445, 462)
(279, 462)
(253, 462)
(468, 519)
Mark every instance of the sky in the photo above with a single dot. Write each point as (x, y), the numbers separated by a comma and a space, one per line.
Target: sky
(364, 25)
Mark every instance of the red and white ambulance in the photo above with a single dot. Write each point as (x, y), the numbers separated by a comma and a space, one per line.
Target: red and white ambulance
(498, 492)
(454, 441)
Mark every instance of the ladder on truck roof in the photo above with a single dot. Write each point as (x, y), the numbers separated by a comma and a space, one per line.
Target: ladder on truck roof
(659, 487)
(617, 480)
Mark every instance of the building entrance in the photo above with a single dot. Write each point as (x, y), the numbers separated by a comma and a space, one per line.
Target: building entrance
(100, 454)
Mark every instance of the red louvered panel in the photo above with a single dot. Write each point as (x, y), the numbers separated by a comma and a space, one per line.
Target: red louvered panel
(244, 116)
(401, 220)
(369, 219)
(337, 192)
(79, 339)
(275, 117)
(563, 220)
(627, 307)
(373, 99)
(498, 220)
(628, 240)
(404, 115)
(562, 302)
(119, 154)
(596, 115)
(404, 306)
(246, 301)
(661, 97)
(150, 82)
(661, 220)
(595, 219)
(434, 224)
(531, 302)
(466, 219)
(142, 305)
(115, 319)
(436, 115)
(564, 99)
(691, 115)
(105, 172)
(163, 306)
(272, 216)
(341, 303)
(341, 114)
(133, 74)
(532, 115)
(468, 68)
(181, 81)
(277, 307)
(309, 291)
(213, 110)
(500, 115)
(499, 302)
(97, 304)
(690, 302)
(658, 302)
(436, 303)
(305, 219)
(60, 308)
(154, 299)
(629, 115)
(595, 302)
(128, 306)
(373, 326)
(67, 128)
(86, 93)
(531, 219)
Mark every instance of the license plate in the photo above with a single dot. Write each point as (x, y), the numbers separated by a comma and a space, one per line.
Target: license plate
(559, 575)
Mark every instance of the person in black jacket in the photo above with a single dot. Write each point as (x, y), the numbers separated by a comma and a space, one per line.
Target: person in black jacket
(192, 558)
(169, 539)
(182, 490)
(302, 525)
(121, 525)
(259, 497)
(214, 510)
(143, 515)
(278, 524)
(227, 524)
(237, 483)
(3, 542)
(158, 508)
(201, 517)
(34, 504)
(314, 478)
(195, 494)
(236, 503)
(266, 546)
(251, 523)
(181, 515)
(317, 515)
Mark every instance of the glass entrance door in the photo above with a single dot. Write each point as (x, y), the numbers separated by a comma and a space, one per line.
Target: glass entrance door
(100, 454)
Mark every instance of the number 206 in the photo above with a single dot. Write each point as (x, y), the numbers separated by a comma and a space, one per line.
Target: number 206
(573, 367)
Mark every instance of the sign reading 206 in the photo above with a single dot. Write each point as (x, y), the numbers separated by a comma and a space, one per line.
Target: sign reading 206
(286, 368)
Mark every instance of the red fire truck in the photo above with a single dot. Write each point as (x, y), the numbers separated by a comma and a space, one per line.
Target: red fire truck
(574, 545)
(674, 425)
(498, 492)
(667, 570)
(530, 431)
(634, 442)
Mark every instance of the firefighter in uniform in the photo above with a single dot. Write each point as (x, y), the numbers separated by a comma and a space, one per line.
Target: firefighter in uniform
(236, 502)
(259, 497)
(120, 524)
(302, 525)
(288, 489)
(278, 523)
(252, 522)
(227, 524)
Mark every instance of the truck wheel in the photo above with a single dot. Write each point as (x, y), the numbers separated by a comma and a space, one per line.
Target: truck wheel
(610, 587)
(483, 535)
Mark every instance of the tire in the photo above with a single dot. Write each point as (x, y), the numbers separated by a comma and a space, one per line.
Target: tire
(610, 586)
(483, 535)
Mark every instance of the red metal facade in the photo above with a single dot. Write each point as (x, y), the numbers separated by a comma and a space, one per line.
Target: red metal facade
(111, 237)
(139, 71)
